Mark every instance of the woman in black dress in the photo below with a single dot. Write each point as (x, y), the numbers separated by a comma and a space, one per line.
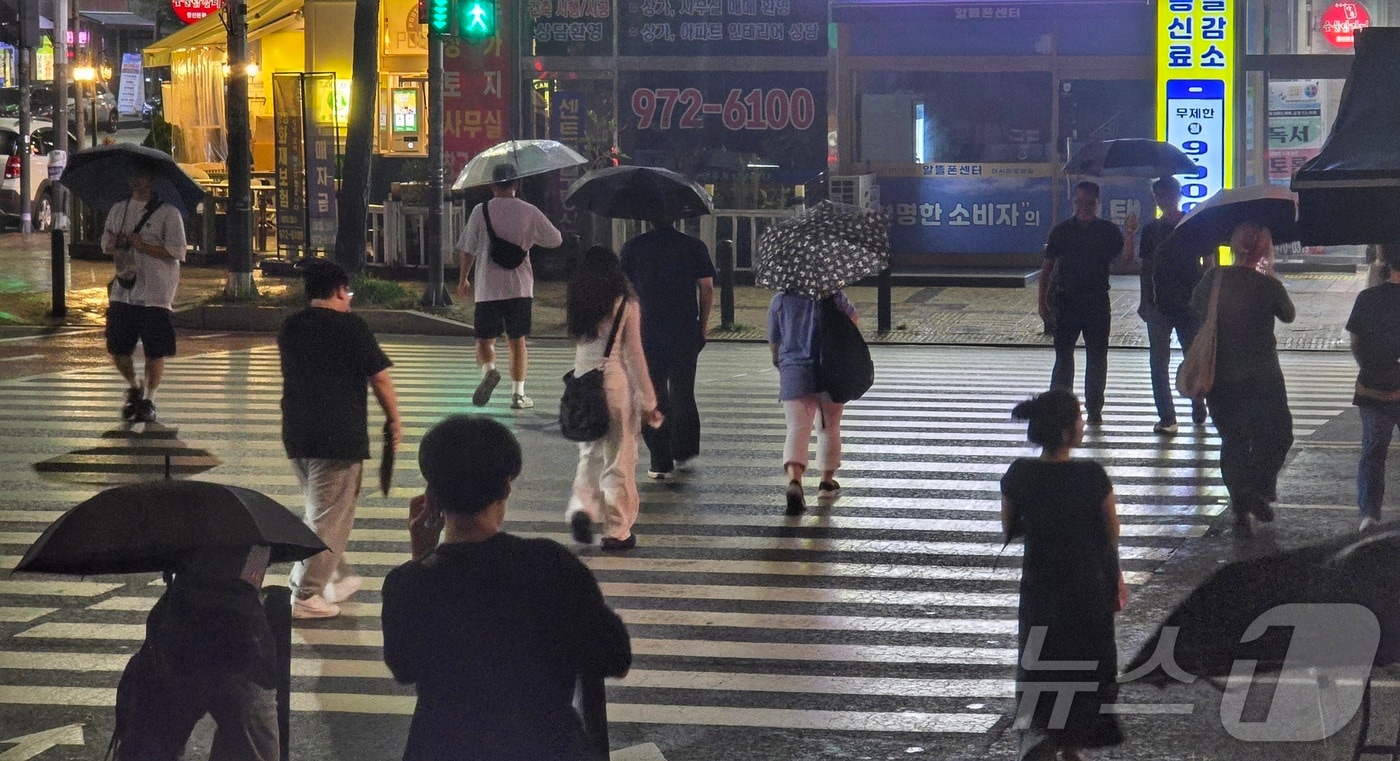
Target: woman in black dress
(1070, 584)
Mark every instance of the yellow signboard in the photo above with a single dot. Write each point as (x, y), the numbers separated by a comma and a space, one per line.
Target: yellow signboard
(1196, 90)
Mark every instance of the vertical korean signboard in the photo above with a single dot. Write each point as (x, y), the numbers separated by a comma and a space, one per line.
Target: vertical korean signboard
(1196, 90)
(288, 115)
(320, 123)
(476, 108)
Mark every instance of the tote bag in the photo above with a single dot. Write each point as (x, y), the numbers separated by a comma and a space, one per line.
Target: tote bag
(583, 411)
(844, 368)
(1195, 376)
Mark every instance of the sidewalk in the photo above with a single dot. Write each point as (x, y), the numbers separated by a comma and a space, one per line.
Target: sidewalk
(933, 315)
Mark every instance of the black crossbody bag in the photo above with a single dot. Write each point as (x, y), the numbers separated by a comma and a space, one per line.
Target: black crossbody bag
(151, 206)
(505, 254)
(583, 411)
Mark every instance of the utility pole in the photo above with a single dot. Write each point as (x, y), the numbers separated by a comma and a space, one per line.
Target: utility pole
(28, 41)
(435, 295)
(239, 240)
(58, 249)
(79, 123)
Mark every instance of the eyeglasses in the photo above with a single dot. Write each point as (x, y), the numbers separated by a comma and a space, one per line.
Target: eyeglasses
(349, 295)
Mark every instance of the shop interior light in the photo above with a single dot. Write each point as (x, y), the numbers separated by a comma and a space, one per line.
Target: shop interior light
(84, 73)
(252, 69)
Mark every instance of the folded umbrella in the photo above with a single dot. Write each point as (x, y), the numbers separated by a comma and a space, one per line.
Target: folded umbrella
(152, 526)
(1268, 205)
(639, 192)
(823, 251)
(1130, 157)
(524, 157)
(98, 176)
(386, 461)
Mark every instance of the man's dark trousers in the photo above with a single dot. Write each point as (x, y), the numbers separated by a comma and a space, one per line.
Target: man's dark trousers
(672, 368)
(1093, 324)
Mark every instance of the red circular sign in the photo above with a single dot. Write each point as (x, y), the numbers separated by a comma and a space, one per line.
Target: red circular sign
(191, 11)
(1342, 21)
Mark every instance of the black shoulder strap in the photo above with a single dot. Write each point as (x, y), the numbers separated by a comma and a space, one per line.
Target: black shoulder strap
(150, 209)
(486, 215)
(617, 323)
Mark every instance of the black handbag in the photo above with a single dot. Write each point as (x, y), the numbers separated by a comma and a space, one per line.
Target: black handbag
(583, 411)
(505, 254)
(844, 368)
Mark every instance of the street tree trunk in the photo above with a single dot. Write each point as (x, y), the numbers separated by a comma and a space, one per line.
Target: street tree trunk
(359, 139)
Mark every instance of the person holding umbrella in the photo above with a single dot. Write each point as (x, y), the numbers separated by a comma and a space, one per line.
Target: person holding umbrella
(328, 357)
(146, 238)
(1248, 400)
(502, 288)
(1071, 585)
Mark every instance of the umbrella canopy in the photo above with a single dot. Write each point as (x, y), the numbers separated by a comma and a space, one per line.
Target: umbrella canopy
(1212, 621)
(640, 192)
(524, 157)
(823, 251)
(98, 176)
(1268, 205)
(1130, 157)
(152, 526)
(1349, 193)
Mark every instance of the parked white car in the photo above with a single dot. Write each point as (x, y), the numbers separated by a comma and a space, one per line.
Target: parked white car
(42, 99)
(36, 196)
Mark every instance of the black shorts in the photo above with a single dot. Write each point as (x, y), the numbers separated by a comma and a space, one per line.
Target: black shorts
(508, 316)
(154, 327)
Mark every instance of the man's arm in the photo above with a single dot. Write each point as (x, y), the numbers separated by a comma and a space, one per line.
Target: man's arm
(1047, 271)
(1126, 249)
(383, 386)
(707, 304)
(544, 232)
(465, 261)
(1355, 347)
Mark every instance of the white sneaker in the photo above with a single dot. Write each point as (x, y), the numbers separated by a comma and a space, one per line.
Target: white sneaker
(1369, 523)
(658, 475)
(314, 606)
(521, 402)
(342, 589)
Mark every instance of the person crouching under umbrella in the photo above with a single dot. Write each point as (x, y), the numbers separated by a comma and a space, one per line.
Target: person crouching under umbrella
(208, 649)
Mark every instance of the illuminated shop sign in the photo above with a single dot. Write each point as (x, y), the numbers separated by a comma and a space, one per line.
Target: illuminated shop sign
(1195, 86)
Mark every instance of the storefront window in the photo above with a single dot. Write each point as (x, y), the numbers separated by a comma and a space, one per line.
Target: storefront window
(1096, 109)
(974, 117)
(1314, 27)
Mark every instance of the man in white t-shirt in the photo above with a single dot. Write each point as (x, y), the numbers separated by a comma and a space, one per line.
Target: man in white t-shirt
(504, 295)
(146, 239)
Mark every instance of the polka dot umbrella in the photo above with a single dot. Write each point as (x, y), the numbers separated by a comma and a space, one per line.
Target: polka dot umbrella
(823, 251)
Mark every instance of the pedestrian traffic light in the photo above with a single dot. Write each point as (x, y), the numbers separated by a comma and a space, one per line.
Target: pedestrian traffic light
(439, 17)
(476, 19)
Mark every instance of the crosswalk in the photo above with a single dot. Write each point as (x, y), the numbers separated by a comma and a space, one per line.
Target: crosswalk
(892, 611)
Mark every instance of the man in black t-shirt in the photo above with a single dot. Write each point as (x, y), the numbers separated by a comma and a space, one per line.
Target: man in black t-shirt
(1375, 342)
(328, 357)
(1074, 280)
(669, 269)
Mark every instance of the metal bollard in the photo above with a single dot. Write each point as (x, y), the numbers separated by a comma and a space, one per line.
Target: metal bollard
(724, 256)
(885, 304)
(277, 603)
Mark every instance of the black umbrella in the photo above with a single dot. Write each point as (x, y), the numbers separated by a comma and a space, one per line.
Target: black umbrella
(98, 175)
(823, 251)
(1211, 623)
(386, 461)
(640, 192)
(151, 526)
(1268, 205)
(1130, 157)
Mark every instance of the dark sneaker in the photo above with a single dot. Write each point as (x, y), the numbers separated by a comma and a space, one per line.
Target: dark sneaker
(1198, 415)
(134, 397)
(145, 411)
(582, 527)
(796, 501)
(1094, 418)
(1165, 428)
(828, 490)
(1263, 511)
(1241, 521)
(488, 384)
(611, 544)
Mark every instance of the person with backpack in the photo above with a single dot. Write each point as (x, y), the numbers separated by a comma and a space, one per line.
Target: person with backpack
(795, 325)
(146, 240)
(494, 253)
(604, 321)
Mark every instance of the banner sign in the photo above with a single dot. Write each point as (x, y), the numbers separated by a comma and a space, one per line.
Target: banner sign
(288, 113)
(190, 11)
(1295, 126)
(566, 115)
(129, 99)
(1195, 90)
(476, 110)
(777, 119)
(723, 28)
(322, 143)
(975, 214)
(1342, 20)
(570, 27)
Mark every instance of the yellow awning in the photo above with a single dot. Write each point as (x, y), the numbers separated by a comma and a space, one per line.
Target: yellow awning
(264, 17)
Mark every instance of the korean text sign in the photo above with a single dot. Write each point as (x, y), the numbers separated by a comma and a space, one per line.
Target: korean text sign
(476, 112)
(1195, 90)
(967, 213)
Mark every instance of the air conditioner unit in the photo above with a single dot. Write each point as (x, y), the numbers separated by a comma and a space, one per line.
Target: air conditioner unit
(853, 189)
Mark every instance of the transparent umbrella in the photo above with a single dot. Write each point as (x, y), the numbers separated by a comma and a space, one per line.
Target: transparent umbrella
(524, 157)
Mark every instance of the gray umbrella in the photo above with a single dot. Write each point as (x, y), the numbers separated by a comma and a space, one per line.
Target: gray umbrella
(823, 251)
(1130, 157)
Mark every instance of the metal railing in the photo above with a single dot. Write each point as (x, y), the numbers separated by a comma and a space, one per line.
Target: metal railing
(742, 226)
(396, 232)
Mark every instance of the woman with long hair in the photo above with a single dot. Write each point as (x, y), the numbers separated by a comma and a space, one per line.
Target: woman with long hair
(605, 485)
(1071, 586)
(1248, 401)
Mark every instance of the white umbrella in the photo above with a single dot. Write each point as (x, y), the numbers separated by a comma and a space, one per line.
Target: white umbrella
(524, 157)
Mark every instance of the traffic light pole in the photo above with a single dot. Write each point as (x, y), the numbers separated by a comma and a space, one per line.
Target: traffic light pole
(435, 295)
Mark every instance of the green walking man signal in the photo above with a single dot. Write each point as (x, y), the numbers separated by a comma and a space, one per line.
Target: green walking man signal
(465, 19)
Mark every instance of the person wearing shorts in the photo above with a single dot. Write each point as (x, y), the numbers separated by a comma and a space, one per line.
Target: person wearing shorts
(504, 296)
(146, 239)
